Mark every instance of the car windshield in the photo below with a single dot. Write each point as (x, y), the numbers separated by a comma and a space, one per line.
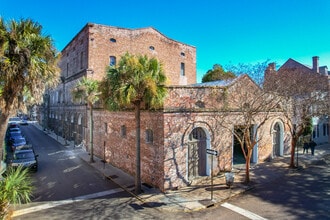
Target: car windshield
(19, 140)
(24, 155)
(13, 138)
(14, 119)
(15, 133)
(14, 129)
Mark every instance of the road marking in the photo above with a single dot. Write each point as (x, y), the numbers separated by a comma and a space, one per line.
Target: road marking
(244, 212)
(64, 202)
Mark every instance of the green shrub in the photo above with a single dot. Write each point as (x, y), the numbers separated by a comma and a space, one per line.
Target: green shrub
(15, 188)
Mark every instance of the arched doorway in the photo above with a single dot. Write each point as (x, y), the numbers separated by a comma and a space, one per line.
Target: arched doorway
(197, 160)
(277, 140)
(238, 154)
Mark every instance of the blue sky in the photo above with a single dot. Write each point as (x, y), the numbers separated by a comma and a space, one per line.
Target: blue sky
(223, 31)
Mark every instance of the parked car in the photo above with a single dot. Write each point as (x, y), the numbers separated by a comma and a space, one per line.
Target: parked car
(25, 158)
(13, 135)
(12, 126)
(14, 120)
(24, 122)
(12, 129)
(24, 147)
(16, 142)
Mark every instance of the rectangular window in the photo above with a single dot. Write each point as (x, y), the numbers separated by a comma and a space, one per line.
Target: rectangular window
(58, 96)
(106, 128)
(149, 136)
(123, 131)
(112, 61)
(182, 70)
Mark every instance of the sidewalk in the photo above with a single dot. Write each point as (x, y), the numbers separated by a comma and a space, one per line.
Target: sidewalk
(198, 197)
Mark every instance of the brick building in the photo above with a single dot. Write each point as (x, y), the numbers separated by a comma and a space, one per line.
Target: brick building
(91, 51)
(173, 140)
(309, 79)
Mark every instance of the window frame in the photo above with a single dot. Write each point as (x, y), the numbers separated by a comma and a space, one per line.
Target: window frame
(182, 69)
(112, 61)
(123, 131)
(149, 136)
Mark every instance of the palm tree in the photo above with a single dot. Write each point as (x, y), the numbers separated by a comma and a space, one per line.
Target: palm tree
(135, 80)
(88, 90)
(16, 188)
(28, 65)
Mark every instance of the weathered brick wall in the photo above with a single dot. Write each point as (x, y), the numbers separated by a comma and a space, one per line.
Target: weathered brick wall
(164, 163)
(139, 41)
(212, 98)
(74, 57)
(120, 151)
(91, 49)
(195, 98)
(171, 53)
(178, 126)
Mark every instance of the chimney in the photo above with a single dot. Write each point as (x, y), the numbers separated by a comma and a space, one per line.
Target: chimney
(270, 71)
(272, 66)
(316, 64)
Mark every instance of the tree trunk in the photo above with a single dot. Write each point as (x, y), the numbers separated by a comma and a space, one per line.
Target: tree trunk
(4, 210)
(247, 165)
(293, 147)
(91, 134)
(4, 118)
(138, 149)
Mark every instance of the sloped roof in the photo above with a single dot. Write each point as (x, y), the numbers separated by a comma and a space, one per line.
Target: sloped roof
(291, 64)
(224, 83)
(221, 83)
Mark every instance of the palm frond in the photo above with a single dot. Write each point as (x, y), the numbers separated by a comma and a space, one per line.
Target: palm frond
(135, 79)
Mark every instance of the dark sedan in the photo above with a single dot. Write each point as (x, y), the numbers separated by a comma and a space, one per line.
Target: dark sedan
(16, 142)
(24, 158)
